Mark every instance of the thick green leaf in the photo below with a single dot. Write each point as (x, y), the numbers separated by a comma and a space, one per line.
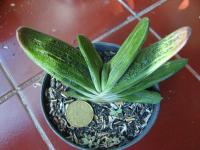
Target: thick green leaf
(152, 57)
(92, 59)
(145, 96)
(127, 52)
(70, 83)
(104, 75)
(162, 73)
(55, 56)
(74, 94)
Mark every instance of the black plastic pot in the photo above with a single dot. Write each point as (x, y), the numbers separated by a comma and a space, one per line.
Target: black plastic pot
(100, 46)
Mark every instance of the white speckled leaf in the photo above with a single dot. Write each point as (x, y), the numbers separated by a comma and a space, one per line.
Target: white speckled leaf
(55, 57)
(152, 57)
(162, 73)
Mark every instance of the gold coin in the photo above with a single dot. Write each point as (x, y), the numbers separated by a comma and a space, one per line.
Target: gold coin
(79, 114)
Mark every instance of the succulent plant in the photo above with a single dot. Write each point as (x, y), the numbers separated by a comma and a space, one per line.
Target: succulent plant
(126, 77)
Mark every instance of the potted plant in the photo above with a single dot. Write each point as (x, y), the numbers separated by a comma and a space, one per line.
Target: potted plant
(100, 95)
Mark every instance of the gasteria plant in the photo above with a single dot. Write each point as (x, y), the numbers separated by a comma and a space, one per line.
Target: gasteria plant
(126, 77)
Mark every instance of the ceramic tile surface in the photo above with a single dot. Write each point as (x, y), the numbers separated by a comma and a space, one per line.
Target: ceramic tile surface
(62, 18)
(16, 128)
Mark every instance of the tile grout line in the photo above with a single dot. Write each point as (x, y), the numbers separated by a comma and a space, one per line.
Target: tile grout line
(10, 93)
(36, 123)
(129, 19)
(32, 80)
(28, 110)
(148, 9)
(6, 96)
(22, 86)
(144, 11)
(114, 29)
(190, 69)
(152, 7)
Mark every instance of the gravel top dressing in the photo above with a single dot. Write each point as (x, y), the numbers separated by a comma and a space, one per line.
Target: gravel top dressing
(113, 124)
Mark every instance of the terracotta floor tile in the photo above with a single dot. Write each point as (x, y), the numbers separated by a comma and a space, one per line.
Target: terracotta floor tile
(139, 5)
(175, 14)
(16, 128)
(177, 127)
(5, 84)
(62, 18)
(32, 98)
(17, 64)
(119, 36)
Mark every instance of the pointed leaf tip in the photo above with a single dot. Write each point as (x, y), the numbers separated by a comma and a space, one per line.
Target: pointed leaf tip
(145, 19)
(19, 33)
(184, 34)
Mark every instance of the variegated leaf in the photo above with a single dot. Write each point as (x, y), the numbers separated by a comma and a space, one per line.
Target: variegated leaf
(55, 56)
(152, 57)
(162, 73)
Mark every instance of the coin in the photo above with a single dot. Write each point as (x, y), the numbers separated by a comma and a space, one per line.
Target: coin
(79, 113)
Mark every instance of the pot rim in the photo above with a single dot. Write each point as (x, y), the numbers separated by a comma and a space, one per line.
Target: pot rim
(151, 121)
